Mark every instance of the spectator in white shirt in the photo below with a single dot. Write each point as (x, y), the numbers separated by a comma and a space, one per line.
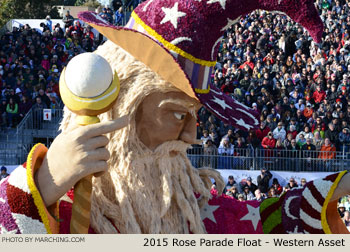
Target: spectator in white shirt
(226, 148)
(205, 137)
(300, 105)
(279, 132)
(306, 133)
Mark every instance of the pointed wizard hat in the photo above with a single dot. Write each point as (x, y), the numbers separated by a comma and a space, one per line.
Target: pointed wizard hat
(179, 40)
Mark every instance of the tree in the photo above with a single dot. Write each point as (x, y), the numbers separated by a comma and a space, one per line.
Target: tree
(33, 9)
(79, 2)
(91, 3)
(69, 2)
(8, 10)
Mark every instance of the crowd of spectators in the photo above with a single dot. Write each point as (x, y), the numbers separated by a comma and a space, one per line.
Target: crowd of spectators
(344, 210)
(3, 173)
(31, 61)
(300, 88)
(247, 190)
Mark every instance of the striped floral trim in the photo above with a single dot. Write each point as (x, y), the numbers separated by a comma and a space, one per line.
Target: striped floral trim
(34, 161)
(315, 203)
(291, 211)
(170, 46)
(324, 222)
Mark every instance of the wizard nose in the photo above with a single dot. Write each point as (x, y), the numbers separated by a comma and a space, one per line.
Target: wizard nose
(189, 131)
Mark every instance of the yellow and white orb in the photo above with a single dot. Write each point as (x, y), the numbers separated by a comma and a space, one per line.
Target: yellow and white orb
(88, 75)
(88, 86)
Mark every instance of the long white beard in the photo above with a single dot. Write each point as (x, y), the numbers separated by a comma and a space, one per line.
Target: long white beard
(152, 193)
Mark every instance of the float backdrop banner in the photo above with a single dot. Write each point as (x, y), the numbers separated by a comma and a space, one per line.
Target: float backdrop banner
(35, 23)
(282, 176)
(241, 175)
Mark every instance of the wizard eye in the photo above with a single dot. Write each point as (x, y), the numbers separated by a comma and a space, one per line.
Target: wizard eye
(179, 116)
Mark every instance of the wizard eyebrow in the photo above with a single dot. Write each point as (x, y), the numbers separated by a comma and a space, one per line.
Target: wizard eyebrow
(190, 108)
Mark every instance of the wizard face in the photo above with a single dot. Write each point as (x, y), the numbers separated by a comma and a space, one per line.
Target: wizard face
(165, 117)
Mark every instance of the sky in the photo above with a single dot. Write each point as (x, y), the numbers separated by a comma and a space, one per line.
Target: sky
(104, 2)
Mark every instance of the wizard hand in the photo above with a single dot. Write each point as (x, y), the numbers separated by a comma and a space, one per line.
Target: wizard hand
(72, 156)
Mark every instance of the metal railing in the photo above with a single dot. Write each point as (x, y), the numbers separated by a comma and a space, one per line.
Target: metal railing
(33, 129)
(128, 9)
(34, 120)
(273, 159)
(9, 153)
(131, 5)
